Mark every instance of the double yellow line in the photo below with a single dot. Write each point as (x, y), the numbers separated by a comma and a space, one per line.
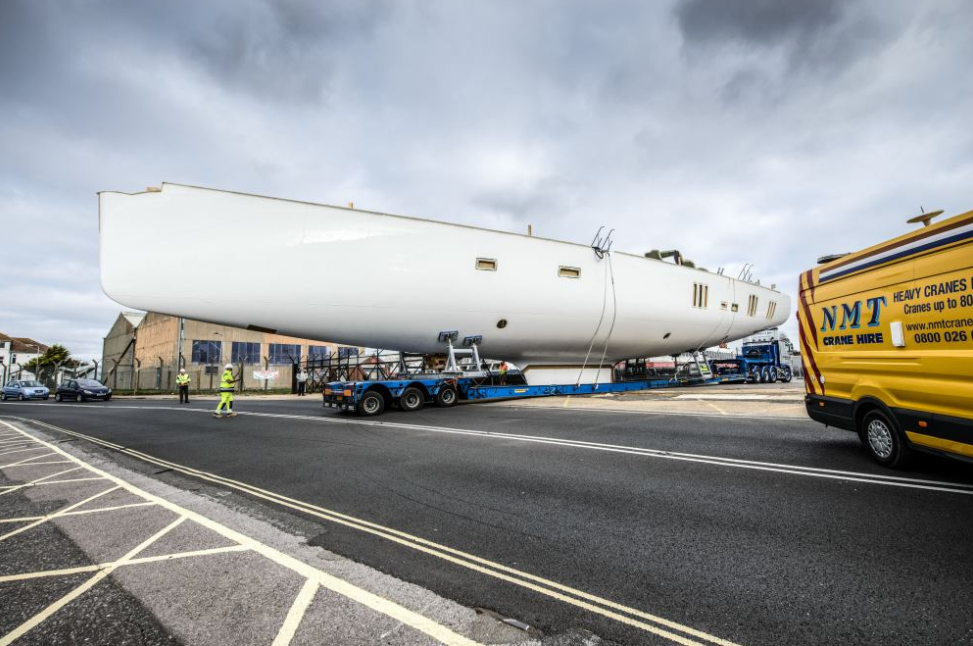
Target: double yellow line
(633, 617)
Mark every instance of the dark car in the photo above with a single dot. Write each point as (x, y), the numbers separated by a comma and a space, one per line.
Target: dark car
(80, 390)
(23, 389)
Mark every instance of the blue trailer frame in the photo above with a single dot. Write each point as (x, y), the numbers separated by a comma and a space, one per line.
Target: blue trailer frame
(369, 398)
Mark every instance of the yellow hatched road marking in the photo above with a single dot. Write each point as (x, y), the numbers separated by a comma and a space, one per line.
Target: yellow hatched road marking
(34, 621)
(36, 448)
(13, 488)
(375, 602)
(24, 461)
(34, 464)
(79, 512)
(57, 482)
(135, 561)
(44, 519)
(296, 614)
(553, 589)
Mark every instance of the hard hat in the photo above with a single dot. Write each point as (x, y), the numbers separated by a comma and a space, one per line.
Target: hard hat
(182, 370)
(228, 366)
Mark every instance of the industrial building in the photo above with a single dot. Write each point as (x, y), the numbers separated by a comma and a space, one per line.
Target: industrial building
(144, 352)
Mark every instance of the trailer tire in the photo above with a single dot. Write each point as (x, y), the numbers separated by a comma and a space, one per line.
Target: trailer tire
(768, 376)
(411, 399)
(883, 440)
(446, 397)
(371, 404)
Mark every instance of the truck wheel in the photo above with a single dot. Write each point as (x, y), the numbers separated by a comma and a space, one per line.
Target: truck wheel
(883, 440)
(411, 399)
(786, 378)
(371, 404)
(768, 376)
(446, 397)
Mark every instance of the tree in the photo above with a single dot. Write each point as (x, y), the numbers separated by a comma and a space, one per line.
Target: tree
(55, 356)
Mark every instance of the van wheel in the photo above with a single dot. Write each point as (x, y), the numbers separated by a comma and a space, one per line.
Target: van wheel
(446, 397)
(371, 404)
(883, 440)
(411, 399)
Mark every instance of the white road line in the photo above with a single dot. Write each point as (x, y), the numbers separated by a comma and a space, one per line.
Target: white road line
(364, 597)
(296, 614)
(37, 619)
(774, 467)
(667, 413)
(834, 474)
(43, 574)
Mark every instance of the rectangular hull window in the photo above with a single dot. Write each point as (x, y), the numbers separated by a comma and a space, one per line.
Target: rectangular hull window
(486, 264)
(569, 272)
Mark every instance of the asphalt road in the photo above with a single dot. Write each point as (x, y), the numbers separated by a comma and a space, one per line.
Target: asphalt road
(723, 525)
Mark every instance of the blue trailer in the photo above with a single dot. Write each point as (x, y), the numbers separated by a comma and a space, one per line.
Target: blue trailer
(370, 398)
(412, 392)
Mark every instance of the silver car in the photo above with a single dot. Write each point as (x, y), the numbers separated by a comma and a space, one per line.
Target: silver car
(24, 389)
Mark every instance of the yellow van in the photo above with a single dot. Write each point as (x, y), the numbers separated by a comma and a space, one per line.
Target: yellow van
(887, 342)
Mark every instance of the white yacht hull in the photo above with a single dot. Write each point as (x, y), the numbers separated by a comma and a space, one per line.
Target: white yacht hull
(386, 281)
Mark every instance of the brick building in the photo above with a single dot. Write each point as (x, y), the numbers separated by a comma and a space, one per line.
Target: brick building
(145, 352)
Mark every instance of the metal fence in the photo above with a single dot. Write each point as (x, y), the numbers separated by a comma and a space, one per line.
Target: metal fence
(138, 377)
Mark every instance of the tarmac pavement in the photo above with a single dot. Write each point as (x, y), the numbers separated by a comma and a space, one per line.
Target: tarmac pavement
(587, 520)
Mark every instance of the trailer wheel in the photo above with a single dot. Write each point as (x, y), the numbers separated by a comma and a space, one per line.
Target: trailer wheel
(883, 440)
(768, 376)
(371, 404)
(411, 399)
(446, 397)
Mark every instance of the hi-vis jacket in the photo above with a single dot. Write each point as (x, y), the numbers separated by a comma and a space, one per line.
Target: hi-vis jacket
(226, 382)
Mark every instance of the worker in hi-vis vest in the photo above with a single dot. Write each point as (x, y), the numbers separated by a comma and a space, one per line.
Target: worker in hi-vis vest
(226, 392)
(182, 380)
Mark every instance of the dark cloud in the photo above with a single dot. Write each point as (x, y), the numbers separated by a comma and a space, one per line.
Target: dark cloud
(282, 51)
(758, 22)
(824, 37)
(696, 124)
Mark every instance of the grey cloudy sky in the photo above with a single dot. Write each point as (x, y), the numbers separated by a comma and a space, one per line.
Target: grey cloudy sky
(737, 130)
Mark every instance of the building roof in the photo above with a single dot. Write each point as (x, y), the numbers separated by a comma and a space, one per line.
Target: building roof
(134, 317)
(4, 337)
(26, 345)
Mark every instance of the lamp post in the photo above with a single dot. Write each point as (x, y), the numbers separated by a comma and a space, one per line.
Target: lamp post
(219, 334)
(37, 361)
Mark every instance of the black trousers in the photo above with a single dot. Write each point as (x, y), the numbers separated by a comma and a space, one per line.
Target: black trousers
(301, 387)
(183, 394)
